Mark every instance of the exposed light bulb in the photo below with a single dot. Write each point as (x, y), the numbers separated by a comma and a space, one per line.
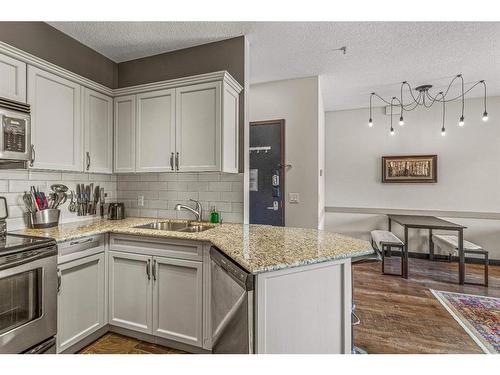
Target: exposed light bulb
(401, 121)
(370, 122)
(392, 131)
(485, 116)
(443, 131)
(462, 121)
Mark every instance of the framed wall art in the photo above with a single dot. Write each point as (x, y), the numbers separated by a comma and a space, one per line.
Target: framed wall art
(409, 169)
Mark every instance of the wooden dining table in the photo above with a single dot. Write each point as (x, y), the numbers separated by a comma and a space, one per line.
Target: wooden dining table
(431, 223)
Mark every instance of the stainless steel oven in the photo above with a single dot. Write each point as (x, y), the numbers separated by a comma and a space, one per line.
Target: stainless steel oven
(28, 294)
(15, 135)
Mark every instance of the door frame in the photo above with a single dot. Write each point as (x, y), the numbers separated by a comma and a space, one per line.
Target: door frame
(281, 123)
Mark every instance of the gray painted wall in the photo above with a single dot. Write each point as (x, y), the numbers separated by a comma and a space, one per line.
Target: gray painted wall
(48, 43)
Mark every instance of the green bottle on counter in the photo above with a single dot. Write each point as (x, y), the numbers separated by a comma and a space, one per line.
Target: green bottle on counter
(214, 216)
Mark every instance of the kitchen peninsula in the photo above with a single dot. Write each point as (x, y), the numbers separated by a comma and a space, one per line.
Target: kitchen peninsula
(302, 278)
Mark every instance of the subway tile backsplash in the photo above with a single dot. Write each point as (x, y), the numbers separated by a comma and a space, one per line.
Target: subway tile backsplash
(13, 184)
(162, 191)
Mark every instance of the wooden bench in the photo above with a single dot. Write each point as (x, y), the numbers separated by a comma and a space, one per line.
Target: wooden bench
(384, 241)
(450, 243)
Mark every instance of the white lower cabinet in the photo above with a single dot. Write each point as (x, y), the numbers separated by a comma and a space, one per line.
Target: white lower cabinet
(130, 291)
(178, 300)
(157, 295)
(81, 299)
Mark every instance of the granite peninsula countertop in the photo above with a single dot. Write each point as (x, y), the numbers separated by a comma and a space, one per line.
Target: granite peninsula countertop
(257, 248)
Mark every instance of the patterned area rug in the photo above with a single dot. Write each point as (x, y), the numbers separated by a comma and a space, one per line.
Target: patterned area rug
(478, 315)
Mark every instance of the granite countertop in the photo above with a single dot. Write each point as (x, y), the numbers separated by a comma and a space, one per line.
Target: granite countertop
(257, 248)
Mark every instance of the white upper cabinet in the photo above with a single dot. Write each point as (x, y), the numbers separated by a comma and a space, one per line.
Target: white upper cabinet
(155, 131)
(198, 127)
(12, 79)
(124, 139)
(188, 128)
(56, 121)
(98, 117)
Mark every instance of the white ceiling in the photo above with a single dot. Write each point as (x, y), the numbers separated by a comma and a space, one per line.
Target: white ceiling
(379, 54)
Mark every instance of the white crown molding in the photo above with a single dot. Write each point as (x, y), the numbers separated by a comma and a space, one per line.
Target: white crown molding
(30, 59)
(179, 82)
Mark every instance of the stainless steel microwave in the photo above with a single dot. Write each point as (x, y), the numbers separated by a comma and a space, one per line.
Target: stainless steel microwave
(15, 135)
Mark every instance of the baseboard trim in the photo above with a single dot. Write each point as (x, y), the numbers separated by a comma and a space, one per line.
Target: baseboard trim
(158, 340)
(86, 341)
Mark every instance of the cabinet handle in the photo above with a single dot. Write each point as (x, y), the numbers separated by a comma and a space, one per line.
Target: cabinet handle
(154, 270)
(79, 242)
(32, 160)
(177, 160)
(172, 161)
(88, 160)
(59, 280)
(148, 269)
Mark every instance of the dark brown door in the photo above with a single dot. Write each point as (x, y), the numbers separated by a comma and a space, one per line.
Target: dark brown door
(267, 178)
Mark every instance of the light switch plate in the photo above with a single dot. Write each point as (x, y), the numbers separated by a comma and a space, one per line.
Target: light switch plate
(140, 200)
(293, 197)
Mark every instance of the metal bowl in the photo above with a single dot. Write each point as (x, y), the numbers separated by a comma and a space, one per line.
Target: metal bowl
(45, 219)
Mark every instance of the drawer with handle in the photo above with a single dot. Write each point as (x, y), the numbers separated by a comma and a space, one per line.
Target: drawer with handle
(80, 247)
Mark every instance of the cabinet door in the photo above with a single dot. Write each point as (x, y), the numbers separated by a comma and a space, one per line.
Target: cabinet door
(81, 300)
(98, 114)
(198, 127)
(12, 79)
(124, 139)
(56, 126)
(178, 300)
(155, 131)
(130, 291)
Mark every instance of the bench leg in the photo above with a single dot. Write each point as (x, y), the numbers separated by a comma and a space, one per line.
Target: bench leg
(431, 246)
(486, 264)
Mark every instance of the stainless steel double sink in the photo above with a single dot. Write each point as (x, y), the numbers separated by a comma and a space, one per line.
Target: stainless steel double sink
(177, 226)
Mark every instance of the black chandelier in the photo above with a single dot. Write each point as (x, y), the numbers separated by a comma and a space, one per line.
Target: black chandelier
(424, 98)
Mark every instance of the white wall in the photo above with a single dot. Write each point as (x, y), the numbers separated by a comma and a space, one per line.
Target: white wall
(468, 168)
(296, 101)
(321, 159)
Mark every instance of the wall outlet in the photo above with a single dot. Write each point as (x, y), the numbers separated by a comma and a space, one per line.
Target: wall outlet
(140, 200)
(293, 197)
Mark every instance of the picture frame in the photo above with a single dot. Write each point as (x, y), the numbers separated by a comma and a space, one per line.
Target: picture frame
(409, 169)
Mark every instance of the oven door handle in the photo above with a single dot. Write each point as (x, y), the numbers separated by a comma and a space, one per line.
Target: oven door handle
(59, 280)
(28, 256)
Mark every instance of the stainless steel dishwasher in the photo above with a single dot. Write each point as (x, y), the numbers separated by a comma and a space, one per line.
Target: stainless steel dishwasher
(232, 293)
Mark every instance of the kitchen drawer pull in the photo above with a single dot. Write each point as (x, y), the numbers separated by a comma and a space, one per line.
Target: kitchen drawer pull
(88, 160)
(81, 241)
(154, 270)
(32, 160)
(177, 160)
(59, 280)
(172, 161)
(148, 269)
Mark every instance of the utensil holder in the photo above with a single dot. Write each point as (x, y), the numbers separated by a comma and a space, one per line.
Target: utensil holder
(45, 219)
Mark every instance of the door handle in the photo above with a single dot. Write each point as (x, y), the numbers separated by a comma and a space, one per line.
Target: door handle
(88, 160)
(59, 280)
(172, 161)
(148, 269)
(154, 270)
(177, 160)
(32, 160)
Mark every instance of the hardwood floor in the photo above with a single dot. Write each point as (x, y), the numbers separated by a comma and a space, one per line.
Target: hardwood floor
(402, 316)
(112, 343)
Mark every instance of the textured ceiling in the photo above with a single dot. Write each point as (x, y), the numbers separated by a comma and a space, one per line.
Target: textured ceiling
(379, 54)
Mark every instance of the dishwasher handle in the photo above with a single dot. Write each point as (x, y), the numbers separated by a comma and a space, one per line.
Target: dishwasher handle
(238, 274)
